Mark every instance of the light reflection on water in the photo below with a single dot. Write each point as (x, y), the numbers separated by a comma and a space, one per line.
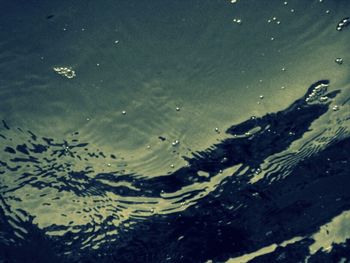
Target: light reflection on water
(148, 59)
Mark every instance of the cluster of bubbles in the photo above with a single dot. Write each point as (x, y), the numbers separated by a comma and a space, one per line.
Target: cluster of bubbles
(317, 93)
(67, 72)
(343, 23)
(237, 21)
(274, 19)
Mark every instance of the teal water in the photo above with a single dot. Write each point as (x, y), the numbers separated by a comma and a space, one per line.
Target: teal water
(186, 54)
(155, 84)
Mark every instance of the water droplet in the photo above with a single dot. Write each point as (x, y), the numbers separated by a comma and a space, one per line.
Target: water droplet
(339, 61)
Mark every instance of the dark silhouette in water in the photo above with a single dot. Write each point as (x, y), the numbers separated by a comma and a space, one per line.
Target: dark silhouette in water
(238, 217)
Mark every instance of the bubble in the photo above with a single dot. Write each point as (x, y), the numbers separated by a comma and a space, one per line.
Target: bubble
(261, 97)
(323, 99)
(285, 3)
(67, 72)
(116, 42)
(343, 23)
(318, 91)
(339, 61)
(328, 11)
(335, 108)
(237, 21)
(124, 112)
(175, 143)
(217, 130)
(283, 69)
(148, 147)
(177, 109)
(292, 10)
(172, 166)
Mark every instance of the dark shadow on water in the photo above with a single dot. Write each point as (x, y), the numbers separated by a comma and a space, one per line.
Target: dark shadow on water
(264, 213)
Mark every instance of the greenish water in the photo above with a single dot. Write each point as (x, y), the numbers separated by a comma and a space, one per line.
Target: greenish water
(186, 54)
(157, 81)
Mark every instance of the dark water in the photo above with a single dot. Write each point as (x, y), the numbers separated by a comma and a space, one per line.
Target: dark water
(174, 131)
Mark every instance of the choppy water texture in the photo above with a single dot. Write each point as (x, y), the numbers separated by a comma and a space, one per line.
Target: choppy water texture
(175, 131)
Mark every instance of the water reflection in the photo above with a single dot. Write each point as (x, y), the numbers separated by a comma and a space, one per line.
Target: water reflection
(113, 145)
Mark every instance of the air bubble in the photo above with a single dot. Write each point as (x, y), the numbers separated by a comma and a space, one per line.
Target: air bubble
(237, 21)
(261, 97)
(177, 109)
(343, 23)
(124, 112)
(339, 61)
(335, 108)
(67, 72)
(175, 143)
